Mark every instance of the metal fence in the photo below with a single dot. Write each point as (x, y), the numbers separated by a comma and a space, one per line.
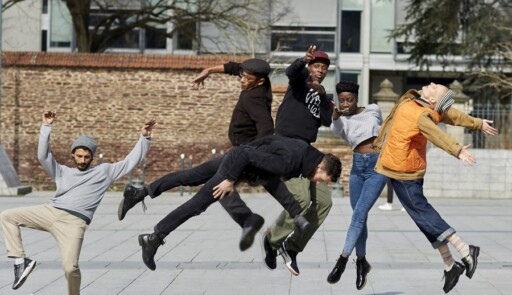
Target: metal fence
(501, 115)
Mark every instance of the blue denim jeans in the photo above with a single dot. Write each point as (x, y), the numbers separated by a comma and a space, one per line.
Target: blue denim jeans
(410, 194)
(365, 187)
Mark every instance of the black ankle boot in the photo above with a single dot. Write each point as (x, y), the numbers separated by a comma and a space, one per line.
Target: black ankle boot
(338, 270)
(150, 243)
(131, 196)
(363, 268)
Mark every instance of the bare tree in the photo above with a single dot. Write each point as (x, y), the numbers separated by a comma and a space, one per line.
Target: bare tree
(113, 19)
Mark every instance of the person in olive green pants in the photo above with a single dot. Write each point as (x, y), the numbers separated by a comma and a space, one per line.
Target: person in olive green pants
(305, 108)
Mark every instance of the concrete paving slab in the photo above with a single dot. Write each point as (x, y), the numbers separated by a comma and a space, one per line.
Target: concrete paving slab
(202, 256)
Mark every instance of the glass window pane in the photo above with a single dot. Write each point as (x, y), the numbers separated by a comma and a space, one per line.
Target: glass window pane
(350, 31)
(185, 37)
(356, 5)
(60, 25)
(156, 39)
(299, 38)
(382, 18)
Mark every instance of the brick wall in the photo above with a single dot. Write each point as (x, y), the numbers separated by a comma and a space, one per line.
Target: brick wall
(109, 96)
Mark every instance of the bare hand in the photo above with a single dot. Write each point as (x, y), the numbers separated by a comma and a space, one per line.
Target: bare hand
(223, 189)
(466, 157)
(316, 86)
(148, 126)
(336, 114)
(487, 128)
(49, 117)
(309, 54)
(199, 80)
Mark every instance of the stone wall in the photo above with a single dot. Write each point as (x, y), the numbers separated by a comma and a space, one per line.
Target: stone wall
(490, 177)
(108, 96)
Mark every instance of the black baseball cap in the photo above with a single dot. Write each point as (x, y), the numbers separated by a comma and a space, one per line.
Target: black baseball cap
(256, 67)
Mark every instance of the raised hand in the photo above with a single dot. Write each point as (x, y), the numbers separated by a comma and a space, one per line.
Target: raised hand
(49, 117)
(148, 126)
(309, 54)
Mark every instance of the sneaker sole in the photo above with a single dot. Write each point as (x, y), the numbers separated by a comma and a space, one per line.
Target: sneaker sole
(25, 274)
(263, 252)
(291, 270)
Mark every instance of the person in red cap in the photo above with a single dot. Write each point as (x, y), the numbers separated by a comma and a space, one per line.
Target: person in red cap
(251, 119)
(305, 108)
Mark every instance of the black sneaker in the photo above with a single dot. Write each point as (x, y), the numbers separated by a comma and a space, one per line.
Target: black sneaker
(451, 277)
(290, 259)
(301, 224)
(21, 272)
(131, 196)
(269, 253)
(363, 268)
(471, 262)
(338, 270)
(251, 226)
(149, 243)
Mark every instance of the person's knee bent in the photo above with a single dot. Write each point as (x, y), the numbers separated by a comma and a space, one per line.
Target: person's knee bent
(71, 270)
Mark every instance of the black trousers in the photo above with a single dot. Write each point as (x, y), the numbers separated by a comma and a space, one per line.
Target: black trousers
(233, 204)
(204, 198)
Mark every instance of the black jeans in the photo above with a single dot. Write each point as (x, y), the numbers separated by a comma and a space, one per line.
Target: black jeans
(204, 198)
(233, 204)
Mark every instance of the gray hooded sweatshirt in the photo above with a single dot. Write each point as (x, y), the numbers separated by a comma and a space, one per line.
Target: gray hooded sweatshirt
(81, 192)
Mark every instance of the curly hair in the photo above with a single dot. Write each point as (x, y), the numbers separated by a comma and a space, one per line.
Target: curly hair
(347, 86)
(332, 166)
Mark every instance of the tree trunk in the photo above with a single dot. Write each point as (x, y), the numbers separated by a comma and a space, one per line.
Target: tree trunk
(79, 10)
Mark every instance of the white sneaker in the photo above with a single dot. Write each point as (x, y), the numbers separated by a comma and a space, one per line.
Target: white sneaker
(386, 207)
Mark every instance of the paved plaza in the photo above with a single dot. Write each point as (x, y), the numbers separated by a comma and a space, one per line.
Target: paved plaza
(202, 256)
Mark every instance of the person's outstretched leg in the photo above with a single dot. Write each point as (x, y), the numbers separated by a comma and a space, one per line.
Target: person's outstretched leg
(35, 217)
(193, 207)
(321, 204)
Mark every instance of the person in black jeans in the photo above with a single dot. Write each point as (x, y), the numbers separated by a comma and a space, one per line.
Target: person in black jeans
(251, 119)
(262, 162)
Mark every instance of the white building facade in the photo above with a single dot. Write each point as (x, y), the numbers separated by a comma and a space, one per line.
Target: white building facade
(353, 33)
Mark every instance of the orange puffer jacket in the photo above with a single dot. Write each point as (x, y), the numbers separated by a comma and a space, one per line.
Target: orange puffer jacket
(406, 148)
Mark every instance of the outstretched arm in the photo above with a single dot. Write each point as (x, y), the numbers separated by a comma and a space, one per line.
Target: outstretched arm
(139, 151)
(44, 153)
(199, 80)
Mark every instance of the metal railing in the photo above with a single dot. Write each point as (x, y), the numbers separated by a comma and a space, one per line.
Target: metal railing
(501, 115)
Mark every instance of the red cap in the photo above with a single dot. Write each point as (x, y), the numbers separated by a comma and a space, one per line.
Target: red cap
(320, 56)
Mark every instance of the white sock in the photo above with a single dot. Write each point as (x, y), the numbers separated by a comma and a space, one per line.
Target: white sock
(447, 257)
(19, 260)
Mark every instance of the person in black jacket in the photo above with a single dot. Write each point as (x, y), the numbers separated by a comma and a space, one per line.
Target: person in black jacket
(251, 119)
(305, 108)
(262, 162)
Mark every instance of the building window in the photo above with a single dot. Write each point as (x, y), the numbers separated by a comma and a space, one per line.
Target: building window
(44, 40)
(60, 25)
(45, 7)
(350, 31)
(287, 39)
(153, 38)
(186, 38)
(382, 21)
(156, 39)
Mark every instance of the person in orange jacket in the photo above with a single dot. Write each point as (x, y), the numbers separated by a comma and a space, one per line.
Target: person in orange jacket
(403, 143)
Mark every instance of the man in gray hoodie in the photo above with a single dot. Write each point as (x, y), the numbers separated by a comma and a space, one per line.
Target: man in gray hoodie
(79, 192)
